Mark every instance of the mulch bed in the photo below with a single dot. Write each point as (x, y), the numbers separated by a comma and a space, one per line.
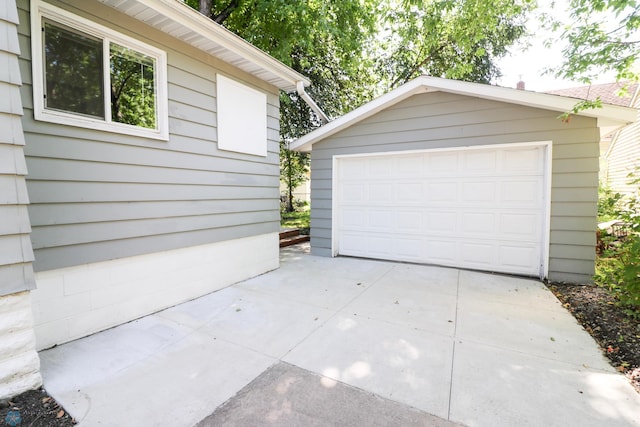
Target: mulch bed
(34, 408)
(617, 333)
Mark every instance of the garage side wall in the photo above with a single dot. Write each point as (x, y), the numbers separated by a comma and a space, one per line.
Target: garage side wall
(443, 120)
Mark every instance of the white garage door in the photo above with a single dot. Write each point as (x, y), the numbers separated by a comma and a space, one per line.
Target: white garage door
(473, 208)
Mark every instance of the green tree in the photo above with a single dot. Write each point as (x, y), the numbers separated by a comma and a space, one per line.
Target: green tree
(323, 40)
(600, 36)
(457, 39)
(352, 50)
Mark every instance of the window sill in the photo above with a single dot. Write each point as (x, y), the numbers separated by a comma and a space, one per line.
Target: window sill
(62, 118)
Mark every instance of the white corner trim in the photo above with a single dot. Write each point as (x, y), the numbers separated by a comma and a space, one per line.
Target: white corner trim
(40, 9)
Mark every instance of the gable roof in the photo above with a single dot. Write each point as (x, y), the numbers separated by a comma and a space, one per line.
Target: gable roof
(607, 92)
(609, 116)
(179, 20)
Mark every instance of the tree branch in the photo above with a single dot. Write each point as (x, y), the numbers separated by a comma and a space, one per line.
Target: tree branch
(205, 7)
(222, 16)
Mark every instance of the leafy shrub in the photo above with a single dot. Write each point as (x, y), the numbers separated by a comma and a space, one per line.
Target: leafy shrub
(608, 202)
(618, 266)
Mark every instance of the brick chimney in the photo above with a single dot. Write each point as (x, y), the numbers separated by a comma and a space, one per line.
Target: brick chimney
(520, 84)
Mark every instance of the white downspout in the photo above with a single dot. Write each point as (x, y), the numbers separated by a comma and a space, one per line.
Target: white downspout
(311, 103)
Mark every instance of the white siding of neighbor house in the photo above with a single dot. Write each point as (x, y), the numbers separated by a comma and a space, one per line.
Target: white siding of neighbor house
(97, 196)
(19, 362)
(622, 159)
(440, 120)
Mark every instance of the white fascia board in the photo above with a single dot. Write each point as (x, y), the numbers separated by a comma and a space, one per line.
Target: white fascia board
(387, 100)
(608, 115)
(193, 20)
(615, 113)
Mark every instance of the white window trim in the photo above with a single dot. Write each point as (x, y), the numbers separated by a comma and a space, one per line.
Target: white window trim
(40, 10)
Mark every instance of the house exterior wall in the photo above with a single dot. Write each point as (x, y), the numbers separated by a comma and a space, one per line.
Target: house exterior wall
(122, 225)
(439, 120)
(19, 363)
(97, 196)
(622, 159)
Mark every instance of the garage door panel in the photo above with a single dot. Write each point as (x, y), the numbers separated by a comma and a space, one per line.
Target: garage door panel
(442, 251)
(477, 208)
(521, 192)
(408, 166)
(441, 222)
(482, 223)
(354, 192)
(442, 191)
(378, 167)
(442, 163)
(351, 217)
(356, 170)
(480, 161)
(381, 219)
(518, 257)
(478, 254)
(484, 192)
(520, 225)
(407, 248)
(409, 192)
(380, 192)
(527, 161)
(409, 221)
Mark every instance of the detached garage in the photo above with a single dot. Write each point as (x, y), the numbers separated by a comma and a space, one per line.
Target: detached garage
(464, 175)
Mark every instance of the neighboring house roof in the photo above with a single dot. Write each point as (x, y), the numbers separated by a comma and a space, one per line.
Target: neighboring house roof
(607, 92)
(609, 116)
(177, 19)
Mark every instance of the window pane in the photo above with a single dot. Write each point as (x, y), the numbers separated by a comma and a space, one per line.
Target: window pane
(73, 71)
(133, 99)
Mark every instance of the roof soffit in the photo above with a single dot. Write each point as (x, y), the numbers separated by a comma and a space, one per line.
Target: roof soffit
(177, 19)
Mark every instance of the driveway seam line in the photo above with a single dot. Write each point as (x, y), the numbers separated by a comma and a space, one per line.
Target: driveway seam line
(339, 310)
(453, 350)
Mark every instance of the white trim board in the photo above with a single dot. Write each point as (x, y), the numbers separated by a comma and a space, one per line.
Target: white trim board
(40, 10)
(546, 207)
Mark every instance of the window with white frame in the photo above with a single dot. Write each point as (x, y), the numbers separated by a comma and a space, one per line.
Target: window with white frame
(90, 76)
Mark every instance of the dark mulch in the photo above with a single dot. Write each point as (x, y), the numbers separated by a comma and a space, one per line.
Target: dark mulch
(617, 333)
(34, 408)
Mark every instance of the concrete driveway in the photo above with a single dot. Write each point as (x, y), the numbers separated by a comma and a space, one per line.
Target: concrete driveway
(347, 342)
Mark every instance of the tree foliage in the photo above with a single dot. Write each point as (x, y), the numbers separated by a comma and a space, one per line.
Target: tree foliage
(601, 36)
(457, 39)
(352, 50)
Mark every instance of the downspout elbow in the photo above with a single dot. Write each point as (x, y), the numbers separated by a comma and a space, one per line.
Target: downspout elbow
(311, 103)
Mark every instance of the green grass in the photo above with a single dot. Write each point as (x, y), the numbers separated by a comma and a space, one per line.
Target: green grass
(298, 219)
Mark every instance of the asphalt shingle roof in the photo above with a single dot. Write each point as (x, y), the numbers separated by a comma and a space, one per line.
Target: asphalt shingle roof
(607, 92)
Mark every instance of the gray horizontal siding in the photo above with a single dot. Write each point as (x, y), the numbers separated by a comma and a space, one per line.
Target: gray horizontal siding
(73, 213)
(443, 120)
(111, 249)
(98, 195)
(16, 255)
